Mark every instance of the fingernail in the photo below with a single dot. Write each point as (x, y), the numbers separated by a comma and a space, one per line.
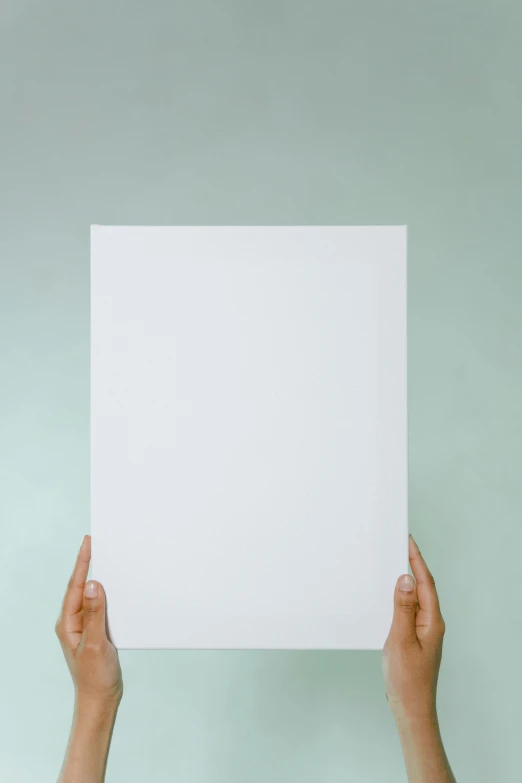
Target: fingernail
(91, 590)
(406, 583)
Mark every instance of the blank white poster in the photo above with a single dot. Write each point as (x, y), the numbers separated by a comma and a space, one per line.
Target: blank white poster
(248, 434)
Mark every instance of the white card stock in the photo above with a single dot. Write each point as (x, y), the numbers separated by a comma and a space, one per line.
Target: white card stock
(248, 434)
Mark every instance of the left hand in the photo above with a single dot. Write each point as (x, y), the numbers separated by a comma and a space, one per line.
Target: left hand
(82, 630)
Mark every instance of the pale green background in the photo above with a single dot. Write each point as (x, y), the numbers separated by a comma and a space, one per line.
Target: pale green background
(288, 112)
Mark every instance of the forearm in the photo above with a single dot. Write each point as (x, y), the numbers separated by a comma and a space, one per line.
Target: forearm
(424, 754)
(89, 742)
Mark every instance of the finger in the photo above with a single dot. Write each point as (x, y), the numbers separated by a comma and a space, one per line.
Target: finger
(404, 609)
(72, 602)
(94, 620)
(426, 591)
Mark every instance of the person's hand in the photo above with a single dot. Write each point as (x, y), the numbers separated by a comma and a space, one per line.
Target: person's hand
(95, 669)
(412, 653)
(410, 663)
(82, 630)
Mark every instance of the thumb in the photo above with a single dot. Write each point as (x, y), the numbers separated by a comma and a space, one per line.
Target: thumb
(94, 613)
(405, 609)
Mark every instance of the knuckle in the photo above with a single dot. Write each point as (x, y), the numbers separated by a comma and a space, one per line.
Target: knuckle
(58, 629)
(90, 609)
(437, 630)
(407, 607)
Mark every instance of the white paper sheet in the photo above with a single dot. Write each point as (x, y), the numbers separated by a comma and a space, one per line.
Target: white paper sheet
(249, 434)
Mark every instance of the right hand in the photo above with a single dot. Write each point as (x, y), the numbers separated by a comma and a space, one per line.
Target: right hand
(413, 651)
(82, 630)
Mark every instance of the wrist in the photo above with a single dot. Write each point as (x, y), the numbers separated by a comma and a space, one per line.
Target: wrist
(421, 712)
(90, 738)
(418, 724)
(96, 708)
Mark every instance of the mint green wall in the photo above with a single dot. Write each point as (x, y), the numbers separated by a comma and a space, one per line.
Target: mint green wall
(278, 111)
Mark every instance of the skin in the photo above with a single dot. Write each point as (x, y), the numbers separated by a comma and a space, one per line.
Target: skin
(95, 669)
(411, 661)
